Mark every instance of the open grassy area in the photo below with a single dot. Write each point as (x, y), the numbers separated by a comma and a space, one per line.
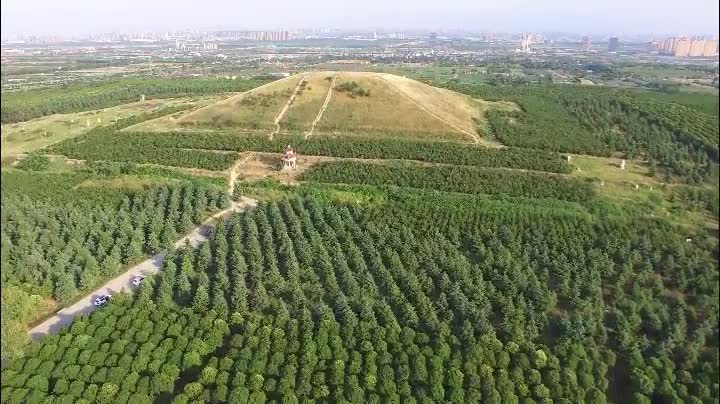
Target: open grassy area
(307, 103)
(389, 110)
(663, 71)
(25, 137)
(255, 109)
(652, 196)
(370, 104)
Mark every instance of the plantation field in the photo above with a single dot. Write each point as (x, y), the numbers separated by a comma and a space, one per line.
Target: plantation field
(470, 180)
(432, 246)
(92, 224)
(29, 136)
(18, 106)
(417, 299)
(199, 150)
(679, 132)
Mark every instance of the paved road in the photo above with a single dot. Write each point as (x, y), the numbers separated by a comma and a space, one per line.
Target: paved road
(124, 281)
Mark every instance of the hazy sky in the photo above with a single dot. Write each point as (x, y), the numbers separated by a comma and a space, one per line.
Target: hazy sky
(581, 16)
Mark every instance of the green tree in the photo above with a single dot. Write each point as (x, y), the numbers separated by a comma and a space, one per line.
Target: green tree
(65, 288)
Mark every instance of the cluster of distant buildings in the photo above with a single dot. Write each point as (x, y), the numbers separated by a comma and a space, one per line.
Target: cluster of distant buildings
(528, 39)
(194, 45)
(687, 47)
(255, 35)
(673, 46)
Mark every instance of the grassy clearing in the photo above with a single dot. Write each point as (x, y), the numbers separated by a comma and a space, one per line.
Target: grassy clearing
(385, 112)
(652, 196)
(390, 106)
(254, 109)
(308, 101)
(29, 136)
(458, 109)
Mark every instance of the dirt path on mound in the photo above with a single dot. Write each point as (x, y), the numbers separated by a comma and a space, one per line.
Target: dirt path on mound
(473, 136)
(324, 106)
(289, 102)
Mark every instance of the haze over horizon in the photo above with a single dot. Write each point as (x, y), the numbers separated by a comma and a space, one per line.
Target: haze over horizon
(70, 17)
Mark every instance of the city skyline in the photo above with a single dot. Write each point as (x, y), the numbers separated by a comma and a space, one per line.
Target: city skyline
(692, 17)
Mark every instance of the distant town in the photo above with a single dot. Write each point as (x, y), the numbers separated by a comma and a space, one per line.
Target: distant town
(40, 60)
(679, 46)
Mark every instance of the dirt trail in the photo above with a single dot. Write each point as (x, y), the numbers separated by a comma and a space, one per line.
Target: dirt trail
(233, 173)
(289, 102)
(324, 106)
(474, 136)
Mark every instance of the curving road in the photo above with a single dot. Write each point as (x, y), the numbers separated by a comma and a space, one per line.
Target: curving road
(123, 281)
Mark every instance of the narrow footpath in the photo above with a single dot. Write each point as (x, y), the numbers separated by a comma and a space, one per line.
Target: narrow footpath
(289, 102)
(324, 106)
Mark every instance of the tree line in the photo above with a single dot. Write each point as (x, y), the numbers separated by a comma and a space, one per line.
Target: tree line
(21, 106)
(469, 180)
(174, 149)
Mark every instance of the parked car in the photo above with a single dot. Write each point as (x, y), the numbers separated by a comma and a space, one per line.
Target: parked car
(137, 280)
(101, 300)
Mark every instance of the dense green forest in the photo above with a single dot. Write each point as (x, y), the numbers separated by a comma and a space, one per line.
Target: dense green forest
(302, 300)
(426, 273)
(601, 121)
(64, 233)
(24, 105)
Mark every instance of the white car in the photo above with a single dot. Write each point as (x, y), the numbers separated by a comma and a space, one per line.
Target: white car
(137, 280)
(101, 300)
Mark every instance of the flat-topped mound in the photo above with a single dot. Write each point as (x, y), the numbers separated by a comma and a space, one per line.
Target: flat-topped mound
(340, 103)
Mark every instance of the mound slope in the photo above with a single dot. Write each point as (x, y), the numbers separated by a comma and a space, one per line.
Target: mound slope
(367, 104)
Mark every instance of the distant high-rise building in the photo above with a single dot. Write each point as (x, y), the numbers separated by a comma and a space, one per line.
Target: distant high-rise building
(613, 44)
(688, 47)
(585, 44)
(525, 42)
(255, 35)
